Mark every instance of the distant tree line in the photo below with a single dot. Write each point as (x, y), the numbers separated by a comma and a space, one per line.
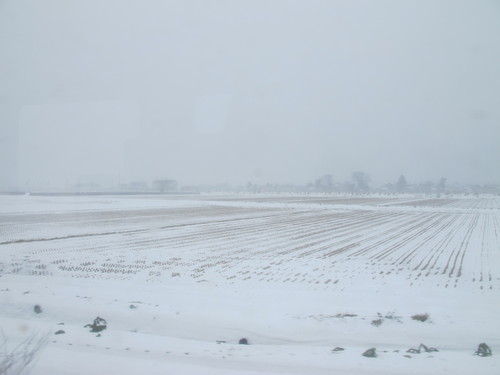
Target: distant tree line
(359, 183)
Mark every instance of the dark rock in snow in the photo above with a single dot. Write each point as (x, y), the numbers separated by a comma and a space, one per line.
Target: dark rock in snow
(338, 349)
(37, 309)
(243, 341)
(60, 332)
(370, 353)
(98, 325)
(483, 350)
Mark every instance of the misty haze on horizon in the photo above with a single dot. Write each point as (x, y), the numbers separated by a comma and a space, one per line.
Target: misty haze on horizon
(279, 91)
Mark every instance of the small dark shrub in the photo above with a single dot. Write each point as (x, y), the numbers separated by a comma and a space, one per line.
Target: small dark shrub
(377, 322)
(98, 325)
(37, 309)
(420, 317)
(393, 316)
(483, 350)
(421, 349)
(348, 315)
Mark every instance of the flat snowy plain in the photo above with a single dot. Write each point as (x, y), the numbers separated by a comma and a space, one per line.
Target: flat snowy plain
(181, 279)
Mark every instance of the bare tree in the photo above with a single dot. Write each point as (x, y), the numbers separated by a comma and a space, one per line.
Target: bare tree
(426, 187)
(165, 185)
(16, 360)
(324, 183)
(361, 181)
(401, 184)
(442, 185)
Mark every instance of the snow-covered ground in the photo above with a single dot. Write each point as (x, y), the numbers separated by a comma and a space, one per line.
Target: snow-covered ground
(181, 279)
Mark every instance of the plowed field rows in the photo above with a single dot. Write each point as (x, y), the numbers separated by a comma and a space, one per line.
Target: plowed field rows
(322, 242)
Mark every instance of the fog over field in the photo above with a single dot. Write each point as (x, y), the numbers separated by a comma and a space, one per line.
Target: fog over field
(249, 187)
(275, 91)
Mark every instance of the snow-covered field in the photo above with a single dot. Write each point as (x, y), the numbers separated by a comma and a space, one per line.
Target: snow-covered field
(181, 279)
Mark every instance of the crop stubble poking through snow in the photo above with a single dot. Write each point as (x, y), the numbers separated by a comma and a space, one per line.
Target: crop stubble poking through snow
(434, 242)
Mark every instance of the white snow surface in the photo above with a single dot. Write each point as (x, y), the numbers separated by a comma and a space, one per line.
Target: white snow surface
(181, 279)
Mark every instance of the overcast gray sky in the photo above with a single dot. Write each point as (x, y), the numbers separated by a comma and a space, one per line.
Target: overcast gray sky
(276, 91)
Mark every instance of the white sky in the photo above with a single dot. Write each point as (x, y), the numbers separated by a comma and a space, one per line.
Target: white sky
(235, 91)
